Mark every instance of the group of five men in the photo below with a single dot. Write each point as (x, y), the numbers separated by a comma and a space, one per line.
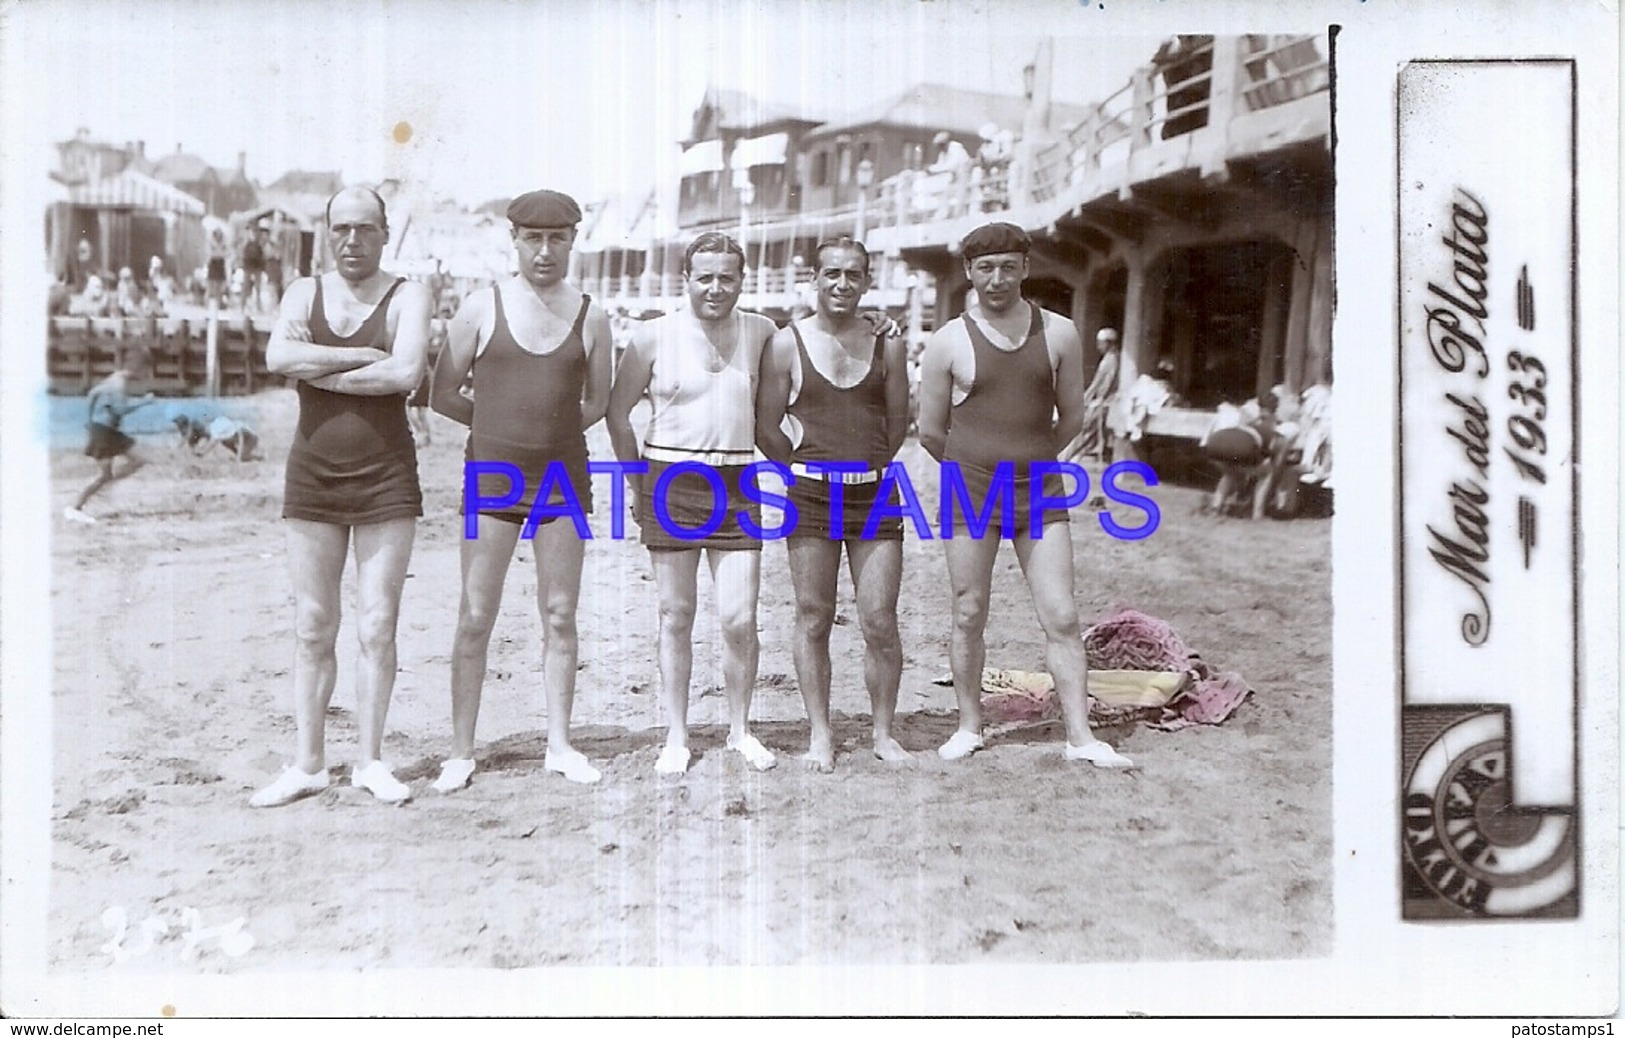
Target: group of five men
(1003, 382)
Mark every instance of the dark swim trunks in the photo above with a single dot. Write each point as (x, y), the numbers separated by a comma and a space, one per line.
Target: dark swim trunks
(812, 500)
(690, 501)
(107, 442)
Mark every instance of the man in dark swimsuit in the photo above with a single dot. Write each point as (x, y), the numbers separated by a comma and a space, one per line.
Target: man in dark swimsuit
(850, 400)
(540, 351)
(355, 339)
(1004, 383)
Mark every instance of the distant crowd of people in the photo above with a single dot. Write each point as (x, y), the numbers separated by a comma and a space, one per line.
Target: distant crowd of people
(248, 276)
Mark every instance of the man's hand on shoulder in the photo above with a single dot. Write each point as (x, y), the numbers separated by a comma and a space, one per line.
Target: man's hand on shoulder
(881, 323)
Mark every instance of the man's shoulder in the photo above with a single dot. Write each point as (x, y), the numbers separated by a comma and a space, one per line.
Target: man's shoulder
(409, 291)
(479, 300)
(645, 334)
(301, 291)
(952, 331)
(1059, 330)
(595, 309)
(753, 322)
(1055, 320)
(786, 336)
(655, 327)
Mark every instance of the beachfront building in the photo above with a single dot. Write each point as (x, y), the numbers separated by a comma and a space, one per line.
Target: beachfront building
(780, 181)
(1192, 209)
(223, 191)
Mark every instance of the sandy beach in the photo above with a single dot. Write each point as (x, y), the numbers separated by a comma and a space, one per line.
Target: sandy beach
(173, 627)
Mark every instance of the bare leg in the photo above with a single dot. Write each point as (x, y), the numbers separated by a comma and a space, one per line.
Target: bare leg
(676, 574)
(970, 576)
(1047, 565)
(317, 552)
(104, 476)
(133, 463)
(877, 574)
(1263, 482)
(382, 552)
(559, 552)
(738, 575)
(814, 566)
(419, 417)
(485, 567)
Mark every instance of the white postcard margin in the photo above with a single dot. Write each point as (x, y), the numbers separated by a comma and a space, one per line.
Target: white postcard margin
(1379, 965)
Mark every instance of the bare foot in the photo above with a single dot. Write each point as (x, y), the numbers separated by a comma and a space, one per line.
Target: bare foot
(759, 756)
(961, 745)
(889, 749)
(821, 756)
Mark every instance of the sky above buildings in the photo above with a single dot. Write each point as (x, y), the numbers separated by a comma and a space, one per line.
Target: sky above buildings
(499, 98)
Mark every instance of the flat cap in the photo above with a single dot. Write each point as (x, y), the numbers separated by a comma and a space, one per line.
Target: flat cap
(544, 209)
(991, 238)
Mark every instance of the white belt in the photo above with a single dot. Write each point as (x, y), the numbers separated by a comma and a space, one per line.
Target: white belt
(715, 459)
(797, 468)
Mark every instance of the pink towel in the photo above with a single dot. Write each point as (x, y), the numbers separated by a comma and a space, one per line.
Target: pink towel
(1131, 640)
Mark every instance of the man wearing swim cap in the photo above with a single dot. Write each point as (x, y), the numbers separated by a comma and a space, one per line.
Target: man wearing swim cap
(540, 352)
(355, 341)
(1003, 382)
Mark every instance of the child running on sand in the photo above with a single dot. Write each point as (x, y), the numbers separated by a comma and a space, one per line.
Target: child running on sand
(109, 402)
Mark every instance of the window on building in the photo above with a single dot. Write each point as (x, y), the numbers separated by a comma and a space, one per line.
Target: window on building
(820, 169)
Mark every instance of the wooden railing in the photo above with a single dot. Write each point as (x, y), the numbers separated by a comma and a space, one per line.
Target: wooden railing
(1211, 84)
(82, 351)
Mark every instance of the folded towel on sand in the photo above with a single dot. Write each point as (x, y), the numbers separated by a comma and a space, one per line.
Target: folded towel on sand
(1139, 669)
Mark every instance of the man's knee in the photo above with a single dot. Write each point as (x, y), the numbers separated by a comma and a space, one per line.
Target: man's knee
(970, 609)
(377, 632)
(814, 619)
(676, 616)
(316, 627)
(474, 624)
(1061, 625)
(559, 617)
(879, 626)
(738, 625)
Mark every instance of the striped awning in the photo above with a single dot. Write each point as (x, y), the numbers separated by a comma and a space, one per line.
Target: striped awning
(135, 190)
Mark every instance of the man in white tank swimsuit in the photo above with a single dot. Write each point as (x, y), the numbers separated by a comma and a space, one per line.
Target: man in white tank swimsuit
(699, 368)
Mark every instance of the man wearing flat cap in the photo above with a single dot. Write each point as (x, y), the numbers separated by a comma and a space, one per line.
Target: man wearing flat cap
(1003, 383)
(540, 351)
